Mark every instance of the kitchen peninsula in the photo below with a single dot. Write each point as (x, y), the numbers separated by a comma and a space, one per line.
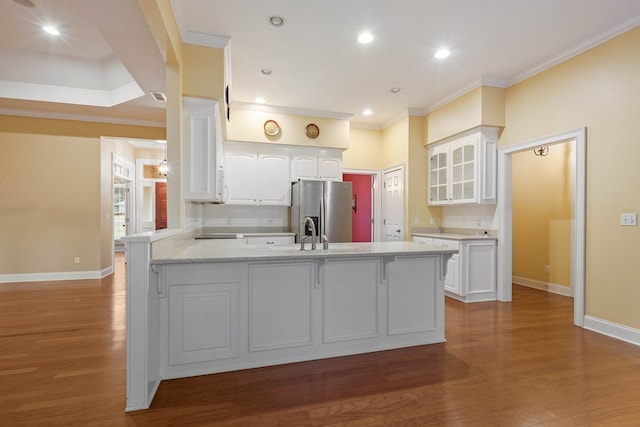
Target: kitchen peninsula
(199, 307)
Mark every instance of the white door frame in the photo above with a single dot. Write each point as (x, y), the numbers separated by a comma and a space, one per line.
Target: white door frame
(399, 167)
(578, 231)
(376, 177)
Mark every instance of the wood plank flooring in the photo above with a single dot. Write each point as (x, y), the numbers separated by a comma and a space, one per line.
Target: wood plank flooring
(62, 363)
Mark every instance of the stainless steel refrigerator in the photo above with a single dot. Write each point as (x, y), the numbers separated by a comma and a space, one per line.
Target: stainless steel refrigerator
(328, 203)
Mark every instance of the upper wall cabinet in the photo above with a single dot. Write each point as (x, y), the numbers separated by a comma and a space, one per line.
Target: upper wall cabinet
(463, 169)
(202, 141)
(325, 165)
(257, 177)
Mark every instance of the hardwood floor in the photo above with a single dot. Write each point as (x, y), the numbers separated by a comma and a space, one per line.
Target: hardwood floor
(62, 363)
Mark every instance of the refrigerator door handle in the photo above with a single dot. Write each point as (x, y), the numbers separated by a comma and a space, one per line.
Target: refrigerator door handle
(323, 212)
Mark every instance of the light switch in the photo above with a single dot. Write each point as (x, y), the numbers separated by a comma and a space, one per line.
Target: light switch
(629, 219)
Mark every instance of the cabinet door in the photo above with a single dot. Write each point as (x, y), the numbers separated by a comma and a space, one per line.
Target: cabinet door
(242, 178)
(479, 269)
(202, 149)
(330, 169)
(305, 168)
(274, 183)
(413, 286)
(438, 176)
(280, 309)
(203, 322)
(463, 172)
(350, 299)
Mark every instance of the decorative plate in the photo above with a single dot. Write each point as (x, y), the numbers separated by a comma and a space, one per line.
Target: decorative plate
(312, 131)
(271, 127)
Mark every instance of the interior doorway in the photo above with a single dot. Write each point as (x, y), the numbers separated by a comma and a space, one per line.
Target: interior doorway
(161, 205)
(361, 206)
(374, 179)
(393, 204)
(578, 197)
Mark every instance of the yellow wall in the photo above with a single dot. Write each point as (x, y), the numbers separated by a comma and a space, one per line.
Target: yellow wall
(599, 90)
(365, 150)
(55, 182)
(50, 204)
(457, 116)
(482, 106)
(541, 207)
(417, 176)
(246, 125)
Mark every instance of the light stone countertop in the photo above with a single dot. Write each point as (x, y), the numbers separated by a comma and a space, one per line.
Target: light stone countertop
(188, 250)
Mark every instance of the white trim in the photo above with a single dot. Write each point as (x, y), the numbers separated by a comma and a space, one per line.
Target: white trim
(590, 44)
(80, 118)
(543, 286)
(612, 329)
(263, 108)
(56, 276)
(377, 198)
(504, 217)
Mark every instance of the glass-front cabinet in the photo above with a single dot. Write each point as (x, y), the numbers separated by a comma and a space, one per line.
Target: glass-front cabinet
(463, 169)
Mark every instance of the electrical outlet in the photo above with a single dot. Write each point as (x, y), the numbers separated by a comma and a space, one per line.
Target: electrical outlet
(77, 260)
(629, 219)
(547, 269)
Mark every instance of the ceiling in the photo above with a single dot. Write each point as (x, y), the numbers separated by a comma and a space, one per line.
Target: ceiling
(106, 60)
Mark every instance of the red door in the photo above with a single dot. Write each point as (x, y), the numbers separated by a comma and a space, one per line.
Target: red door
(361, 212)
(161, 205)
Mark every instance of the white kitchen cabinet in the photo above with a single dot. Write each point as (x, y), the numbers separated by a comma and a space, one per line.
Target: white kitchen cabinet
(204, 297)
(321, 167)
(257, 179)
(280, 305)
(471, 273)
(463, 169)
(202, 140)
(350, 300)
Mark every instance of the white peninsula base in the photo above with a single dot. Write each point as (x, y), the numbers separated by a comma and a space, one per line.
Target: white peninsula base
(195, 317)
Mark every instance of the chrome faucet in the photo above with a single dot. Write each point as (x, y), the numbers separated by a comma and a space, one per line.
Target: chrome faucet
(325, 241)
(309, 220)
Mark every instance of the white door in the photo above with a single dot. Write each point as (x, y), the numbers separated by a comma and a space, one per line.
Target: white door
(393, 204)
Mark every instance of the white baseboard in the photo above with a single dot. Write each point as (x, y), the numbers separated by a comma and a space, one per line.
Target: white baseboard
(543, 286)
(55, 277)
(613, 330)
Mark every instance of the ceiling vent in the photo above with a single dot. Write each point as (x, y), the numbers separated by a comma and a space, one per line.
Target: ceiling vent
(159, 96)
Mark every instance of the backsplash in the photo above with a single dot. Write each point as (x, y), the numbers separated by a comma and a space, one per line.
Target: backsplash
(475, 218)
(198, 215)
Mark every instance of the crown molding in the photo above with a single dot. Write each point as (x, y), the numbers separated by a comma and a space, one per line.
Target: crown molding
(627, 26)
(79, 117)
(289, 110)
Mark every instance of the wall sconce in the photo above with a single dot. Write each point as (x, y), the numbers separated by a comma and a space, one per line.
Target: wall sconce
(541, 151)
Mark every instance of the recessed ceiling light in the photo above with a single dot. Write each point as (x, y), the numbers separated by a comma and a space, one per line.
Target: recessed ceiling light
(367, 112)
(158, 96)
(265, 71)
(442, 53)
(260, 100)
(276, 21)
(395, 89)
(365, 38)
(51, 30)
